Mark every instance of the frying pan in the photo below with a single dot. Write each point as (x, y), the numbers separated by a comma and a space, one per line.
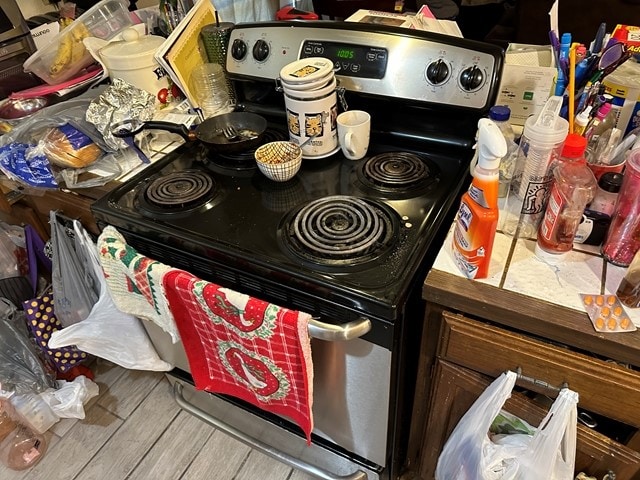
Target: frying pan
(250, 126)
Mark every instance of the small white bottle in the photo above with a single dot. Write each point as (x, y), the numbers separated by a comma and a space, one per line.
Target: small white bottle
(582, 120)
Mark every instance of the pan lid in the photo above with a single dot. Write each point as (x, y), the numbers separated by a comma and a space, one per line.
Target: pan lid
(306, 71)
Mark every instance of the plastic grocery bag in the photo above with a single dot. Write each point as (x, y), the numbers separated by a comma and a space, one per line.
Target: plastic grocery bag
(73, 281)
(470, 453)
(107, 332)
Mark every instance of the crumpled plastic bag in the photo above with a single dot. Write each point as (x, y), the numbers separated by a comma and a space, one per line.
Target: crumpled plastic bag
(43, 410)
(21, 369)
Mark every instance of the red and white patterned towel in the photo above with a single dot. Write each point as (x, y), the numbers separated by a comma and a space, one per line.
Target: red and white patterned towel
(244, 347)
(135, 281)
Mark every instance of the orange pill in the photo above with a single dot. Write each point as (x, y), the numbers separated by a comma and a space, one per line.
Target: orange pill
(599, 300)
(600, 323)
(588, 300)
(612, 324)
(605, 312)
(617, 311)
(611, 299)
(625, 323)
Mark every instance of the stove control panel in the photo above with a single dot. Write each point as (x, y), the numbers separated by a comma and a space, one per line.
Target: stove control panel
(372, 59)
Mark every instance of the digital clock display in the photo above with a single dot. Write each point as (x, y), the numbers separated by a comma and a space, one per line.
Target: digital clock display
(347, 53)
(350, 60)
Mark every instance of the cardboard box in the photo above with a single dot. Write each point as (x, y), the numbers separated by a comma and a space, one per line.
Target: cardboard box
(528, 77)
(382, 18)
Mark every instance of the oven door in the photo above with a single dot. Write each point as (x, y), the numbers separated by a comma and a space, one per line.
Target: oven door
(351, 392)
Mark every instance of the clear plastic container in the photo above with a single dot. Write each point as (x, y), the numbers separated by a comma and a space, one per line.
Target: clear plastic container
(66, 56)
(573, 188)
(540, 144)
(209, 84)
(22, 448)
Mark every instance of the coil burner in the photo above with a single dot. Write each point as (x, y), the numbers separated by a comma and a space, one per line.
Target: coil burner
(398, 172)
(340, 230)
(178, 193)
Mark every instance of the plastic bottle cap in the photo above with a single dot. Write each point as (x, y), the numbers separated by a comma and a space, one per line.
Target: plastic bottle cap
(500, 113)
(603, 110)
(611, 182)
(574, 146)
(583, 117)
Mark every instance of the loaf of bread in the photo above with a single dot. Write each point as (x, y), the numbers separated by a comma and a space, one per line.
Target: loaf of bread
(68, 147)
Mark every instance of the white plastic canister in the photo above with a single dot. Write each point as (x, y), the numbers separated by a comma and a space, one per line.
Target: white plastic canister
(309, 87)
(132, 60)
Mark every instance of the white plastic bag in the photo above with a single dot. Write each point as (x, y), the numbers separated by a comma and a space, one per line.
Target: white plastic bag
(107, 332)
(549, 453)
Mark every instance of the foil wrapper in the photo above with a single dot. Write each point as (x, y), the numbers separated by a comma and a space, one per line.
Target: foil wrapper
(119, 102)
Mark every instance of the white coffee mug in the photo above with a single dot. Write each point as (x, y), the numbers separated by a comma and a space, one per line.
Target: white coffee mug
(354, 127)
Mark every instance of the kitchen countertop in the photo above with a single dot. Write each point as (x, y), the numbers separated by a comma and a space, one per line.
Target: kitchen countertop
(526, 293)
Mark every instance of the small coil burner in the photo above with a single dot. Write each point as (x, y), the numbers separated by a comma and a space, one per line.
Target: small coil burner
(398, 172)
(177, 192)
(339, 230)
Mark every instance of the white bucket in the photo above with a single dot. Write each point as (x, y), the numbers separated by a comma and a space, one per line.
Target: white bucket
(310, 98)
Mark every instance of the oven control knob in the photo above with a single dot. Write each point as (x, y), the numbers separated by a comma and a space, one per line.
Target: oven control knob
(238, 49)
(261, 50)
(437, 72)
(471, 78)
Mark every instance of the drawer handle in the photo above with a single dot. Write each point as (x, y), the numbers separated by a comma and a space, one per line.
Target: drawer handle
(539, 383)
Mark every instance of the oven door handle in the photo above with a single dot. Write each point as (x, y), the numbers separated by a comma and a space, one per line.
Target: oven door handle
(258, 445)
(345, 331)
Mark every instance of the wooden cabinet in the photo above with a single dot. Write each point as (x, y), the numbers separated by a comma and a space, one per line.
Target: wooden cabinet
(468, 342)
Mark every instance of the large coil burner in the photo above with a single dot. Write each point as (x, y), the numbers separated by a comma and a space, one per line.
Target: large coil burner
(339, 230)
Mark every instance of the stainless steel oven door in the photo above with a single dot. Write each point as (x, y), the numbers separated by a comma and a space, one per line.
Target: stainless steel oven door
(351, 392)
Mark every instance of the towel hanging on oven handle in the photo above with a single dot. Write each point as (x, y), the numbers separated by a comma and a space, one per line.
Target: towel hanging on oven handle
(346, 331)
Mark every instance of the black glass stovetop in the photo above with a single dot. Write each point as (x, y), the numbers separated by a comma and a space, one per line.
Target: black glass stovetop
(244, 221)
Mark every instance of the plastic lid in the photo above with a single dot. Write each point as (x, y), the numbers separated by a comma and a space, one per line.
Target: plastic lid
(306, 70)
(500, 113)
(611, 182)
(574, 146)
(132, 52)
(546, 135)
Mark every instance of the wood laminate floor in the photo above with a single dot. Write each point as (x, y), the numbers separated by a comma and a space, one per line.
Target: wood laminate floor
(134, 430)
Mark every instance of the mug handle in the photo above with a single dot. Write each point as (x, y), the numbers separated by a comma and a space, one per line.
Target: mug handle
(350, 142)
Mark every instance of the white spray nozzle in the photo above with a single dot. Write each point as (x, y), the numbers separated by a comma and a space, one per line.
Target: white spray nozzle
(491, 146)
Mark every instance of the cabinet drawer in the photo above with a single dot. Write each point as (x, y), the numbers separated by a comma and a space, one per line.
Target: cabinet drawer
(604, 388)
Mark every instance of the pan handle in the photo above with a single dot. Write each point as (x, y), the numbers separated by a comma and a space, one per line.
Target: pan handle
(129, 128)
(178, 128)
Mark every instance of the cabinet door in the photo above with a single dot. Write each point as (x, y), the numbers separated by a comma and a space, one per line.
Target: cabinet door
(456, 388)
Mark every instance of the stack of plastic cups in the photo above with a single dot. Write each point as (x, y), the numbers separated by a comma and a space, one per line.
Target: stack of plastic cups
(215, 38)
(210, 88)
(623, 236)
(541, 143)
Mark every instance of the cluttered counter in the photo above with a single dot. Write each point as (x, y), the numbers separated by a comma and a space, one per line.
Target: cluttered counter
(528, 316)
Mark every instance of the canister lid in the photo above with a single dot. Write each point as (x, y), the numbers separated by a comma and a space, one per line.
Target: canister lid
(126, 54)
(306, 70)
(611, 182)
